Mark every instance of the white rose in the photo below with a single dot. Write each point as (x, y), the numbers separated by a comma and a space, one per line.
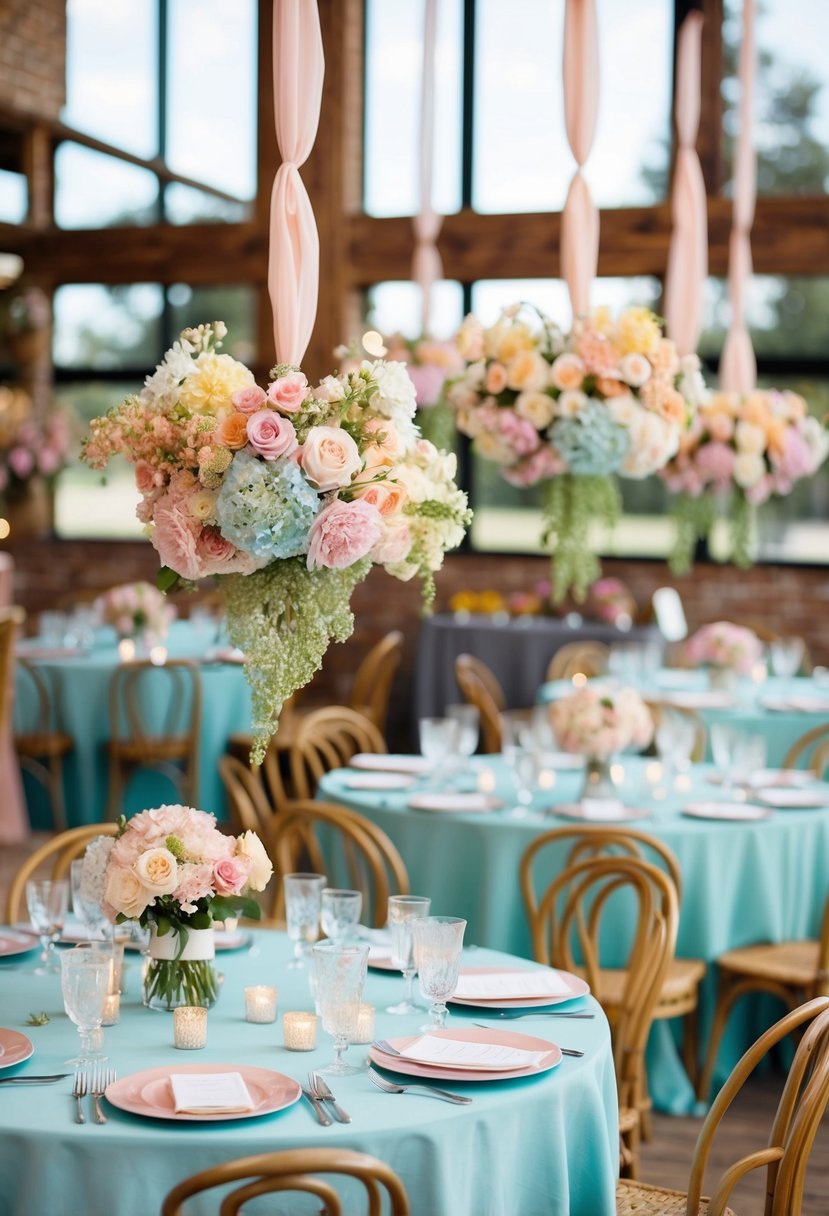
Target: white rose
(635, 369)
(528, 371)
(157, 869)
(750, 438)
(395, 396)
(330, 457)
(249, 845)
(748, 469)
(394, 544)
(125, 893)
(330, 389)
(537, 408)
(817, 438)
(624, 410)
(571, 402)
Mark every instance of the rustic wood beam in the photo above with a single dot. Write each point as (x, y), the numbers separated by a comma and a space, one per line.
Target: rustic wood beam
(709, 138)
(37, 167)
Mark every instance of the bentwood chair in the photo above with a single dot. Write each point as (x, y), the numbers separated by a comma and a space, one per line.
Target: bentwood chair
(251, 809)
(11, 620)
(480, 688)
(325, 838)
(570, 925)
(659, 709)
(296, 1170)
(585, 658)
(40, 745)
(327, 739)
(60, 852)
(813, 748)
(155, 720)
(786, 1155)
(373, 680)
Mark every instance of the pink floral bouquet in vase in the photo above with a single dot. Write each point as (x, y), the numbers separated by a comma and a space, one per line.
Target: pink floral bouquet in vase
(610, 600)
(172, 870)
(574, 411)
(739, 452)
(136, 610)
(287, 494)
(31, 448)
(724, 646)
(601, 722)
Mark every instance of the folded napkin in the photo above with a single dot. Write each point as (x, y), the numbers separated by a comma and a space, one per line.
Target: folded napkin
(455, 1053)
(209, 1093)
(506, 985)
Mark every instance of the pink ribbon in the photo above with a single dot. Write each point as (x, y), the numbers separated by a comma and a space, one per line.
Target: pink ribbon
(427, 268)
(293, 264)
(688, 254)
(580, 219)
(738, 366)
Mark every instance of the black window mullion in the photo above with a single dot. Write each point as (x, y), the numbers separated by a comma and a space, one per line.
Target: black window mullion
(162, 17)
(468, 101)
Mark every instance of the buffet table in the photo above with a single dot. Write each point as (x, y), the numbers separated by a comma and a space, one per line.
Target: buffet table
(544, 1145)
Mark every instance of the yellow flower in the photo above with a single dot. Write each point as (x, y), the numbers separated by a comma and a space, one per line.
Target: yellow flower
(638, 331)
(209, 388)
(601, 319)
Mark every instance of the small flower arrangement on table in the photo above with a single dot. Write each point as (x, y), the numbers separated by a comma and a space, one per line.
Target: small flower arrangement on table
(136, 610)
(287, 494)
(31, 448)
(610, 600)
(739, 452)
(172, 870)
(601, 722)
(724, 646)
(574, 411)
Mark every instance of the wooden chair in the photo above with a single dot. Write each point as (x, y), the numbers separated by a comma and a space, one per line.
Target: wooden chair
(659, 708)
(142, 738)
(793, 971)
(480, 688)
(251, 809)
(240, 743)
(373, 680)
(812, 747)
(786, 1156)
(324, 838)
(296, 1170)
(11, 621)
(574, 912)
(61, 850)
(327, 739)
(588, 658)
(41, 750)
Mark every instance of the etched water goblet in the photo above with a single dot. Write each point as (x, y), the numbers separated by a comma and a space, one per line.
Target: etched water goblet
(340, 913)
(339, 977)
(403, 910)
(47, 900)
(85, 980)
(303, 902)
(438, 942)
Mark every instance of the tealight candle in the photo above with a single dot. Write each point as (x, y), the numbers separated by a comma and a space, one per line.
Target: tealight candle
(486, 781)
(260, 1003)
(365, 1025)
(158, 656)
(299, 1031)
(126, 650)
(112, 1009)
(190, 1027)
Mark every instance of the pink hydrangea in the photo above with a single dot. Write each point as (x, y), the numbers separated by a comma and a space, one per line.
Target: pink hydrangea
(715, 462)
(538, 466)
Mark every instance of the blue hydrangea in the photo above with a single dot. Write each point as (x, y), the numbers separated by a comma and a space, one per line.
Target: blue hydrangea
(266, 507)
(590, 442)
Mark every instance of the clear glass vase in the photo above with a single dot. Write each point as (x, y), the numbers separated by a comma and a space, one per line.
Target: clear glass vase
(189, 979)
(598, 780)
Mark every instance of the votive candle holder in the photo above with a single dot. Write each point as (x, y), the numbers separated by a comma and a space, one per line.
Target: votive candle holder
(260, 1003)
(112, 1009)
(190, 1027)
(299, 1031)
(365, 1025)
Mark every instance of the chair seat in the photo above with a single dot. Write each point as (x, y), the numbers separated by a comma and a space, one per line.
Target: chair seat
(629, 1119)
(684, 974)
(793, 963)
(149, 750)
(640, 1199)
(43, 743)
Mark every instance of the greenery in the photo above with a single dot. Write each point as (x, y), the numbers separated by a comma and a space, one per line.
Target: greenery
(180, 982)
(572, 504)
(37, 1019)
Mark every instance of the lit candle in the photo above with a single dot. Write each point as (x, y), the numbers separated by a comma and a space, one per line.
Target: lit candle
(158, 656)
(365, 1025)
(579, 680)
(486, 781)
(260, 1003)
(112, 1009)
(190, 1027)
(126, 650)
(299, 1031)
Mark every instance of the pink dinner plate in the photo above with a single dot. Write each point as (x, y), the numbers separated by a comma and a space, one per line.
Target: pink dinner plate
(504, 1038)
(713, 698)
(379, 762)
(794, 799)
(149, 1092)
(777, 778)
(12, 942)
(459, 804)
(574, 810)
(728, 812)
(378, 781)
(379, 959)
(578, 987)
(14, 1047)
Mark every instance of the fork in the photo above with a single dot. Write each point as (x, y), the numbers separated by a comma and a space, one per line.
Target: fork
(101, 1078)
(78, 1092)
(565, 1051)
(319, 1086)
(430, 1091)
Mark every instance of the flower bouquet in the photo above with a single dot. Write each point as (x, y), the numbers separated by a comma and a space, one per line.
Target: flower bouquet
(609, 398)
(171, 870)
(610, 600)
(136, 610)
(740, 451)
(597, 723)
(287, 495)
(32, 450)
(722, 646)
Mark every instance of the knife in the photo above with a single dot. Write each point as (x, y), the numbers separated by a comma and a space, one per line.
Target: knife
(319, 1110)
(34, 1080)
(326, 1096)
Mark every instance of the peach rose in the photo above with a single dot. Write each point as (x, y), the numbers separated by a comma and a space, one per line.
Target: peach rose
(387, 496)
(609, 386)
(720, 426)
(232, 431)
(528, 370)
(496, 378)
(288, 392)
(567, 372)
(386, 438)
(330, 458)
(672, 407)
(538, 408)
(157, 870)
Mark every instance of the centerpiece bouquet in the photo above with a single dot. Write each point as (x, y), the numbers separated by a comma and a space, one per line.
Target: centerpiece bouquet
(172, 870)
(610, 600)
(136, 610)
(286, 494)
(598, 723)
(724, 647)
(740, 451)
(574, 411)
(32, 450)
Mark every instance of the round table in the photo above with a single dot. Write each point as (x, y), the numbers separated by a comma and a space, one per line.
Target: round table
(548, 1145)
(743, 882)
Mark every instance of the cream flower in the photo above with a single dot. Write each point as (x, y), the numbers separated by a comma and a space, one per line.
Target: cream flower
(514, 340)
(638, 331)
(211, 386)
(635, 369)
(537, 408)
(748, 469)
(571, 403)
(249, 845)
(750, 438)
(528, 370)
(330, 457)
(567, 372)
(157, 870)
(202, 505)
(125, 893)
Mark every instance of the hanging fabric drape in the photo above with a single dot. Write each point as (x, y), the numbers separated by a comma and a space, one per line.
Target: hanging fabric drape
(580, 219)
(426, 264)
(293, 264)
(688, 254)
(738, 367)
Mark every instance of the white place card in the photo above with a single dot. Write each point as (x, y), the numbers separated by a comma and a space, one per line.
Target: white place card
(602, 808)
(200, 1093)
(505, 985)
(455, 1053)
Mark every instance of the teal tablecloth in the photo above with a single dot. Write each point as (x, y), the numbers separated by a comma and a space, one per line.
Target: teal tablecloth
(544, 1147)
(80, 686)
(743, 882)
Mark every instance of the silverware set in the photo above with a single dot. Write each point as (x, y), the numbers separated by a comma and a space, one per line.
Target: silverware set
(94, 1084)
(428, 1091)
(320, 1096)
(44, 1079)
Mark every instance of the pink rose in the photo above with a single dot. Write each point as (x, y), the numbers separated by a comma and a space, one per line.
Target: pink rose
(21, 462)
(539, 466)
(48, 461)
(342, 533)
(145, 477)
(330, 458)
(230, 875)
(288, 392)
(218, 556)
(174, 538)
(270, 435)
(394, 545)
(249, 400)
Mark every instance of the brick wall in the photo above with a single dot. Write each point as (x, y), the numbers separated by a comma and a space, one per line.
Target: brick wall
(33, 56)
(788, 599)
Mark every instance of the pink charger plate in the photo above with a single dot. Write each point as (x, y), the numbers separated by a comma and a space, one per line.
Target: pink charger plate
(579, 988)
(12, 942)
(505, 1038)
(149, 1092)
(14, 1047)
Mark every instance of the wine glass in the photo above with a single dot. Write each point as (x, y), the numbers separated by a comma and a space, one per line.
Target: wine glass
(47, 900)
(303, 899)
(786, 656)
(88, 910)
(468, 719)
(339, 912)
(437, 741)
(438, 942)
(85, 977)
(516, 733)
(723, 738)
(675, 738)
(402, 910)
(339, 976)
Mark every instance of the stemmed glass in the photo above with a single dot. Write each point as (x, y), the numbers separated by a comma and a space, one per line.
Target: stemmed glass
(87, 910)
(515, 733)
(340, 913)
(303, 900)
(438, 738)
(403, 909)
(786, 656)
(85, 978)
(468, 719)
(438, 942)
(723, 739)
(47, 900)
(339, 976)
(675, 738)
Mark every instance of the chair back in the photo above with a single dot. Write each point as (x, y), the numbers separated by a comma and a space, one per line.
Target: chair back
(373, 681)
(800, 1110)
(327, 739)
(480, 688)
(298, 1170)
(61, 851)
(811, 748)
(695, 721)
(11, 620)
(34, 705)
(325, 838)
(250, 807)
(588, 658)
